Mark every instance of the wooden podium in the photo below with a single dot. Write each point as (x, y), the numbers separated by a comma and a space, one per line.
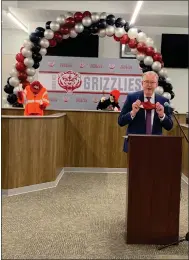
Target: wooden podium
(153, 192)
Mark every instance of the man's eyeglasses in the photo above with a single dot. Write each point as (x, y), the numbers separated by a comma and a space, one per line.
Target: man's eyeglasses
(149, 82)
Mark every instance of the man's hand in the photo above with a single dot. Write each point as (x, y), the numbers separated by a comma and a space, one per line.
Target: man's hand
(160, 109)
(135, 107)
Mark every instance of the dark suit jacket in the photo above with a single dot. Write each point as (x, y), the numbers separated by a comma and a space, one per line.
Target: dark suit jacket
(137, 125)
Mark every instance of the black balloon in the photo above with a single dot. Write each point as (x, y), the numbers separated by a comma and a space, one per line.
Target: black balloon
(36, 65)
(12, 98)
(86, 31)
(162, 82)
(8, 89)
(146, 68)
(8, 80)
(120, 22)
(36, 48)
(127, 26)
(141, 64)
(40, 31)
(102, 24)
(172, 94)
(94, 28)
(16, 104)
(34, 38)
(110, 19)
(47, 25)
(36, 57)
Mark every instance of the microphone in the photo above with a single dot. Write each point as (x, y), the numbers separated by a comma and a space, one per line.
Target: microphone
(186, 238)
(166, 104)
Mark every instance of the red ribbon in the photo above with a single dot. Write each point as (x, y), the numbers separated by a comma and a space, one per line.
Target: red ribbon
(148, 105)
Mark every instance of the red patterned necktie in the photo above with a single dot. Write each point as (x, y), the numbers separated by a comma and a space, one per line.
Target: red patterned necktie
(148, 120)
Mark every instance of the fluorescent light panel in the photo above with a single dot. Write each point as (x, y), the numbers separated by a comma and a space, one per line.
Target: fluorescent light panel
(136, 12)
(16, 21)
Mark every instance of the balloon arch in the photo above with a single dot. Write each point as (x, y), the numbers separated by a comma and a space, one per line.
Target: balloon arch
(70, 25)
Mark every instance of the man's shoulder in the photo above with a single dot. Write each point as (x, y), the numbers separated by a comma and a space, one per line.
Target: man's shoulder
(135, 94)
(161, 98)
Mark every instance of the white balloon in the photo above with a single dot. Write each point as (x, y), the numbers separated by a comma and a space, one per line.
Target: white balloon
(54, 26)
(26, 52)
(167, 95)
(14, 81)
(79, 27)
(103, 15)
(43, 51)
(119, 32)
(141, 37)
(48, 34)
(95, 17)
(134, 51)
(132, 33)
(30, 79)
(44, 43)
(30, 71)
(168, 80)
(14, 73)
(110, 30)
(149, 42)
(140, 56)
(73, 33)
(148, 60)
(102, 33)
(163, 73)
(61, 19)
(66, 36)
(28, 44)
(68, 14)
(86, 21)
(159, 90)
(156, 66)
(29, 62)
(16, 90)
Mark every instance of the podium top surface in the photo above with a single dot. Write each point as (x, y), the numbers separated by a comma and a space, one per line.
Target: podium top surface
(148, 136)
(56, 115)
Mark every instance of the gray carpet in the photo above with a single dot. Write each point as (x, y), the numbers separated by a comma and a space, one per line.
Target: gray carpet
(83, 218)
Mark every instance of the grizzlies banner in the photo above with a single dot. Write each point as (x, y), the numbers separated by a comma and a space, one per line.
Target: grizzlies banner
(79, 83)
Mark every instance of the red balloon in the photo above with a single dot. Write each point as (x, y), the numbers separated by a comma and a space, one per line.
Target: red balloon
(20, 57)
(141, 47)
(150, 51)
(20, 66)
(64, 30)
(57, 37)
(70, 22)
(78, 16)
(22, 76)
(132, 43)
(124, 39)
(157, 57)
(116, 39)
(25, 84)
(52, 42)
(86, 13)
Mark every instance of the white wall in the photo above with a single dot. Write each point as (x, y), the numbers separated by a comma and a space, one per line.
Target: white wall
(12, 41)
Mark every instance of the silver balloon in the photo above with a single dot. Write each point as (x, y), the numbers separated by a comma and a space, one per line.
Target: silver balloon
(28, 44)
(132, 33)
(134, 51)
(103, 15)
(30, 71)
(43, 51)
(66, 36)
(168, 80)
(68, 14)
(156, 66)
(61, 19)
(110, 30)
(79, 27)
(73, 33)
(102, 33)
(14, 81)
(86, 21)
(16, 90)
(54, 26)
(29, 62)
(149, 42)
(167, 95)
(140, 56)
(95, 17)
(119, 32)
(159, 90)
(148, 60)
(48, 34)
(141, 37)
(44, 43)
(163, 73)
(30, 79)
(14, 73)
(26, 52)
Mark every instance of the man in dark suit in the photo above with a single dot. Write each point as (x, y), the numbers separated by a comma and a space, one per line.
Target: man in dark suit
(141, 121)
